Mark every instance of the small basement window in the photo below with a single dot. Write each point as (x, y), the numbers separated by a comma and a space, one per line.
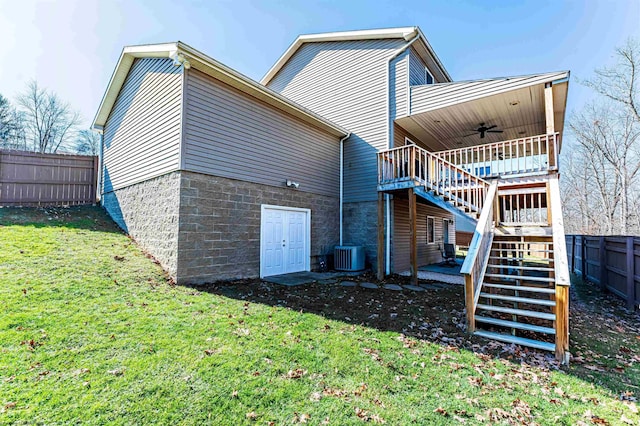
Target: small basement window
(431, 230)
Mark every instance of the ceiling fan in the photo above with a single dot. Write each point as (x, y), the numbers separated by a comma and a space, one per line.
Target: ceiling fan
(482, 130)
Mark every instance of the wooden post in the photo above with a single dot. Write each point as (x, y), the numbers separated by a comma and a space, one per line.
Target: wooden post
(550, 122)
(468, 301)
(562, 323)
(573, 253)
(96, 181)
(583, 258)
(631, 274)
(413, 240)
(602, 260)
(380, 265)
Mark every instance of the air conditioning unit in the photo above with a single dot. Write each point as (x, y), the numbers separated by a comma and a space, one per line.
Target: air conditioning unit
(348, 258)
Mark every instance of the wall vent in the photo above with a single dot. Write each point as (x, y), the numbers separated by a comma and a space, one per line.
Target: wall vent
(349, 258)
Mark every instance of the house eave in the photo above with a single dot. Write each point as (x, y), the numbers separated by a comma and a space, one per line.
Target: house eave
(443, 116)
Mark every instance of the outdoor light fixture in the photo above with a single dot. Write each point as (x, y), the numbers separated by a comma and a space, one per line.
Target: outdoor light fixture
(292, 184)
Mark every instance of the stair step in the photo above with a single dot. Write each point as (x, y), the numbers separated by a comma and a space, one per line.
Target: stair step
(520, 250)
(514, 311)
(518, 299)
(521, 288)
(520, 258)
(515, 324)
(524, 268)
(506, 241)
(546, 346)
(522, 191)
(521, 277)
(537, 230)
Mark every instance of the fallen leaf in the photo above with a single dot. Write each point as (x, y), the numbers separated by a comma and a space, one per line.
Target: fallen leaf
(441, 410)
(296, 374)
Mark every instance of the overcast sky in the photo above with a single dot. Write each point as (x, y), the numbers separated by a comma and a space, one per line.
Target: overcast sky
(72, 47)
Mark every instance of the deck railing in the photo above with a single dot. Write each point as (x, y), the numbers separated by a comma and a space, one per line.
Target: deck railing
(475, 263)
(507, 158)
(523, 207)
(411, 163)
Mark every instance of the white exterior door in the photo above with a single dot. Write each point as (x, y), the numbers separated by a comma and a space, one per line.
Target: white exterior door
(285, 240)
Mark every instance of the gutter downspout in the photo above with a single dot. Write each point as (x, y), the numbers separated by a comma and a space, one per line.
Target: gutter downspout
(342, 179)
(387, 197)
(100, 131)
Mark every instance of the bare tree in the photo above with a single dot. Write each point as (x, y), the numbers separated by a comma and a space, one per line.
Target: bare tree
(11, 126)
(620, 82)
(88, 142)
(49, 122)
(603, 181)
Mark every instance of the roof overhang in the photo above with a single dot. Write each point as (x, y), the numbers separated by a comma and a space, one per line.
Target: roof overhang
(444, 116)
(209, 66)
(404, 33)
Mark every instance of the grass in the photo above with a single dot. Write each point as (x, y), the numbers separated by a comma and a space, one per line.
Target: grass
(92, 332)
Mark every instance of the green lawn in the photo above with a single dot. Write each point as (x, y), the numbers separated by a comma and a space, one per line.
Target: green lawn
(92, 332)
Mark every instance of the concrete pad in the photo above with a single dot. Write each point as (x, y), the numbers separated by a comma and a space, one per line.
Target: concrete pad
(291, 280)
(369, 285)
(394, 287)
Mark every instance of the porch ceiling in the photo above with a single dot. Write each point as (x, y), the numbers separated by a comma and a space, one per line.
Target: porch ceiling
(444, 116)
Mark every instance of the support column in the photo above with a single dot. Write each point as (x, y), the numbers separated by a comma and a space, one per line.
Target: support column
(380, 262)
(469, 299)
(413, 240)
(550, 121)
(562, 323)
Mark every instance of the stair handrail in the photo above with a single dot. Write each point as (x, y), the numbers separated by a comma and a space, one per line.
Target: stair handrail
(475, 263)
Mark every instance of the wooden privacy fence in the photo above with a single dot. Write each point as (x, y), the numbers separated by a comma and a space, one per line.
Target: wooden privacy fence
(34, 179)
(611, 262)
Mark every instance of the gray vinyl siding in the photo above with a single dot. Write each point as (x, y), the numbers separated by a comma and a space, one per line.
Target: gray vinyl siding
(230, 134)
(346, 83)
(142, 133)
(399, 86)
(416, 69)
(427, 253)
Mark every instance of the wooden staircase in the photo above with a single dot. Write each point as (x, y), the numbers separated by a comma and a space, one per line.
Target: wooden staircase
(516, 271)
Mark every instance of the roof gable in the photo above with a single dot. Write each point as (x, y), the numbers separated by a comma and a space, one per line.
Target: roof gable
(405, 33)
(185, 55)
